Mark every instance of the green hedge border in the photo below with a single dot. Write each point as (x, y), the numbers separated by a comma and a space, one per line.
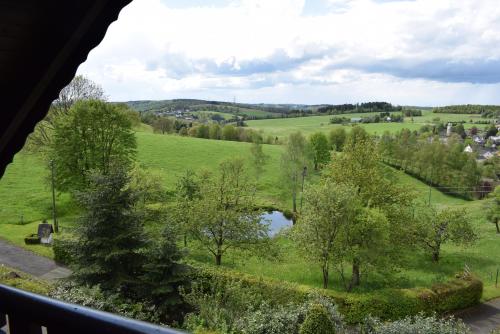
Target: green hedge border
(387, 304)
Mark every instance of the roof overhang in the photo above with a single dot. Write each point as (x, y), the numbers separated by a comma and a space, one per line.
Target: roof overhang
(42, 43)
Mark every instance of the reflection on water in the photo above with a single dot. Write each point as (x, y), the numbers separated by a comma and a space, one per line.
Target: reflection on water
(277, 221)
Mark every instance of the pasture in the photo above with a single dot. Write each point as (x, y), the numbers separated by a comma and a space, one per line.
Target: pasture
(24, 190)
(282, 127)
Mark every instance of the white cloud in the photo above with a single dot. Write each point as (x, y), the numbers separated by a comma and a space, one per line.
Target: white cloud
(262, 50)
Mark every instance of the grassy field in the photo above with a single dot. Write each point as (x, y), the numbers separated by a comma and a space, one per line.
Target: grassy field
(23, 190)
(282, 127)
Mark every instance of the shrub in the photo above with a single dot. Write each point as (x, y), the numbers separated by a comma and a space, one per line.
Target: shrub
(317, 321)
(32, 239)
(62, 250)
(416, 324)
(386, 304)
(273, 319)
(95, 298)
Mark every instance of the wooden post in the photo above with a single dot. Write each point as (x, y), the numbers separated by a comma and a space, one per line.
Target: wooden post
(496, 280)
(54, 217)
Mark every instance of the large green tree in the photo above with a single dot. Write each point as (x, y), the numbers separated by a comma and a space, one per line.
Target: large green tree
(163, 275)
(80, 88)
(320, 150)
(359, 167)
(110, 235)
(328, 209)
(224, 215)
(92, 136)
(435, 227)
(337, 138)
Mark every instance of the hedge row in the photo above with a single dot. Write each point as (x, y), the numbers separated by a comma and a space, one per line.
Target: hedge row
(387, 304)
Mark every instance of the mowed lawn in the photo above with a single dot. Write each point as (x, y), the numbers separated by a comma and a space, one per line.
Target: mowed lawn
(282, 127)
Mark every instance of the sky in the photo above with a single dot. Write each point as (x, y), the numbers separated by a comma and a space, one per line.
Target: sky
(407, 52)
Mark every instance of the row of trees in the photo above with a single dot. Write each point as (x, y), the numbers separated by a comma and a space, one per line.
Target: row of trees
(358, 108)
(213, 130)
(444, 165)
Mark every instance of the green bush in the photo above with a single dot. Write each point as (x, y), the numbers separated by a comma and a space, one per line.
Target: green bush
(32, 239)
(317, 321)
(416, 324)
(62, 250)
(386, 304)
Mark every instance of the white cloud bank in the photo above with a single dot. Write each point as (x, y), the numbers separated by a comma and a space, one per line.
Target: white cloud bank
(422, 52)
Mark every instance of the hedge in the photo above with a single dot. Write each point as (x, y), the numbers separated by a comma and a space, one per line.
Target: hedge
(386, 304)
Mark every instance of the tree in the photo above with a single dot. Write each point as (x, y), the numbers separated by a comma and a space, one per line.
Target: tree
(491, 131)
(364, 239)
(359, 167)
(188, 189)
(224, 216)
(94, 135)
(474, 131)
(259, 158)
(328, 208)
(146, 184)
(110, 235)
(164, 275)
(163, 125)
(493, 209)
(337, 139)
(214, 131)
(358, 134)
(319, 146)
(80, 88)
(435, 228)
(294, 163)
(229, 132)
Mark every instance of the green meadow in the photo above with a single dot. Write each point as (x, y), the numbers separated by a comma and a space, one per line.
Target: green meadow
(24, 190)
(282, 127)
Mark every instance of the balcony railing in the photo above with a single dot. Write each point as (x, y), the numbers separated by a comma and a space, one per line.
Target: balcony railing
(28, 313)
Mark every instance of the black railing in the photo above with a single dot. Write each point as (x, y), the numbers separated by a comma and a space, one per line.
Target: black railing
(26, 313)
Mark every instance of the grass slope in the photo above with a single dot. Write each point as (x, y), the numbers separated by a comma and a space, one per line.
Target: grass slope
(23, 189)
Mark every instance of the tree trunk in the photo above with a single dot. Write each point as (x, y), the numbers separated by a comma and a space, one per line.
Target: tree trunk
(325, 276)
(294, 201)
(498, 228)
(435, 255)
(185, 240)
(356, 276)
(218, 259)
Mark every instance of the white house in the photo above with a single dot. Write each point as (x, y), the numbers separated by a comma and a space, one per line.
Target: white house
(468, 149)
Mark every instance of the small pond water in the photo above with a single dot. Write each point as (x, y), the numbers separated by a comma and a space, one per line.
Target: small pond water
(277, 221)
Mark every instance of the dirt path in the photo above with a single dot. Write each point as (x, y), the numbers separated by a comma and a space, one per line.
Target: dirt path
(484, 318)
(28, 262)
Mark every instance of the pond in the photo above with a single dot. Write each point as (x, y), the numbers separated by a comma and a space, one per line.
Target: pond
(277, 221)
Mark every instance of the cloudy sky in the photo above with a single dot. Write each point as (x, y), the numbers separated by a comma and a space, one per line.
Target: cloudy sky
(420, 52)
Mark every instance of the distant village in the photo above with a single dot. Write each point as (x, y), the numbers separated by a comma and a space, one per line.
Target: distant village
(485, 147)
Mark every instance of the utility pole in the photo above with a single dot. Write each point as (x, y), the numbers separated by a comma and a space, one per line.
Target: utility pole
(304, 173)
(54, 217)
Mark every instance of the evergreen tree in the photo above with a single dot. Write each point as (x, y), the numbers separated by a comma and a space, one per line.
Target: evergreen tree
(110, 235)
(163, 275)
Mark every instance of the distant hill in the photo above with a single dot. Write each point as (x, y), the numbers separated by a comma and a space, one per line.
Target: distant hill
(251, 111)
(258, 110)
